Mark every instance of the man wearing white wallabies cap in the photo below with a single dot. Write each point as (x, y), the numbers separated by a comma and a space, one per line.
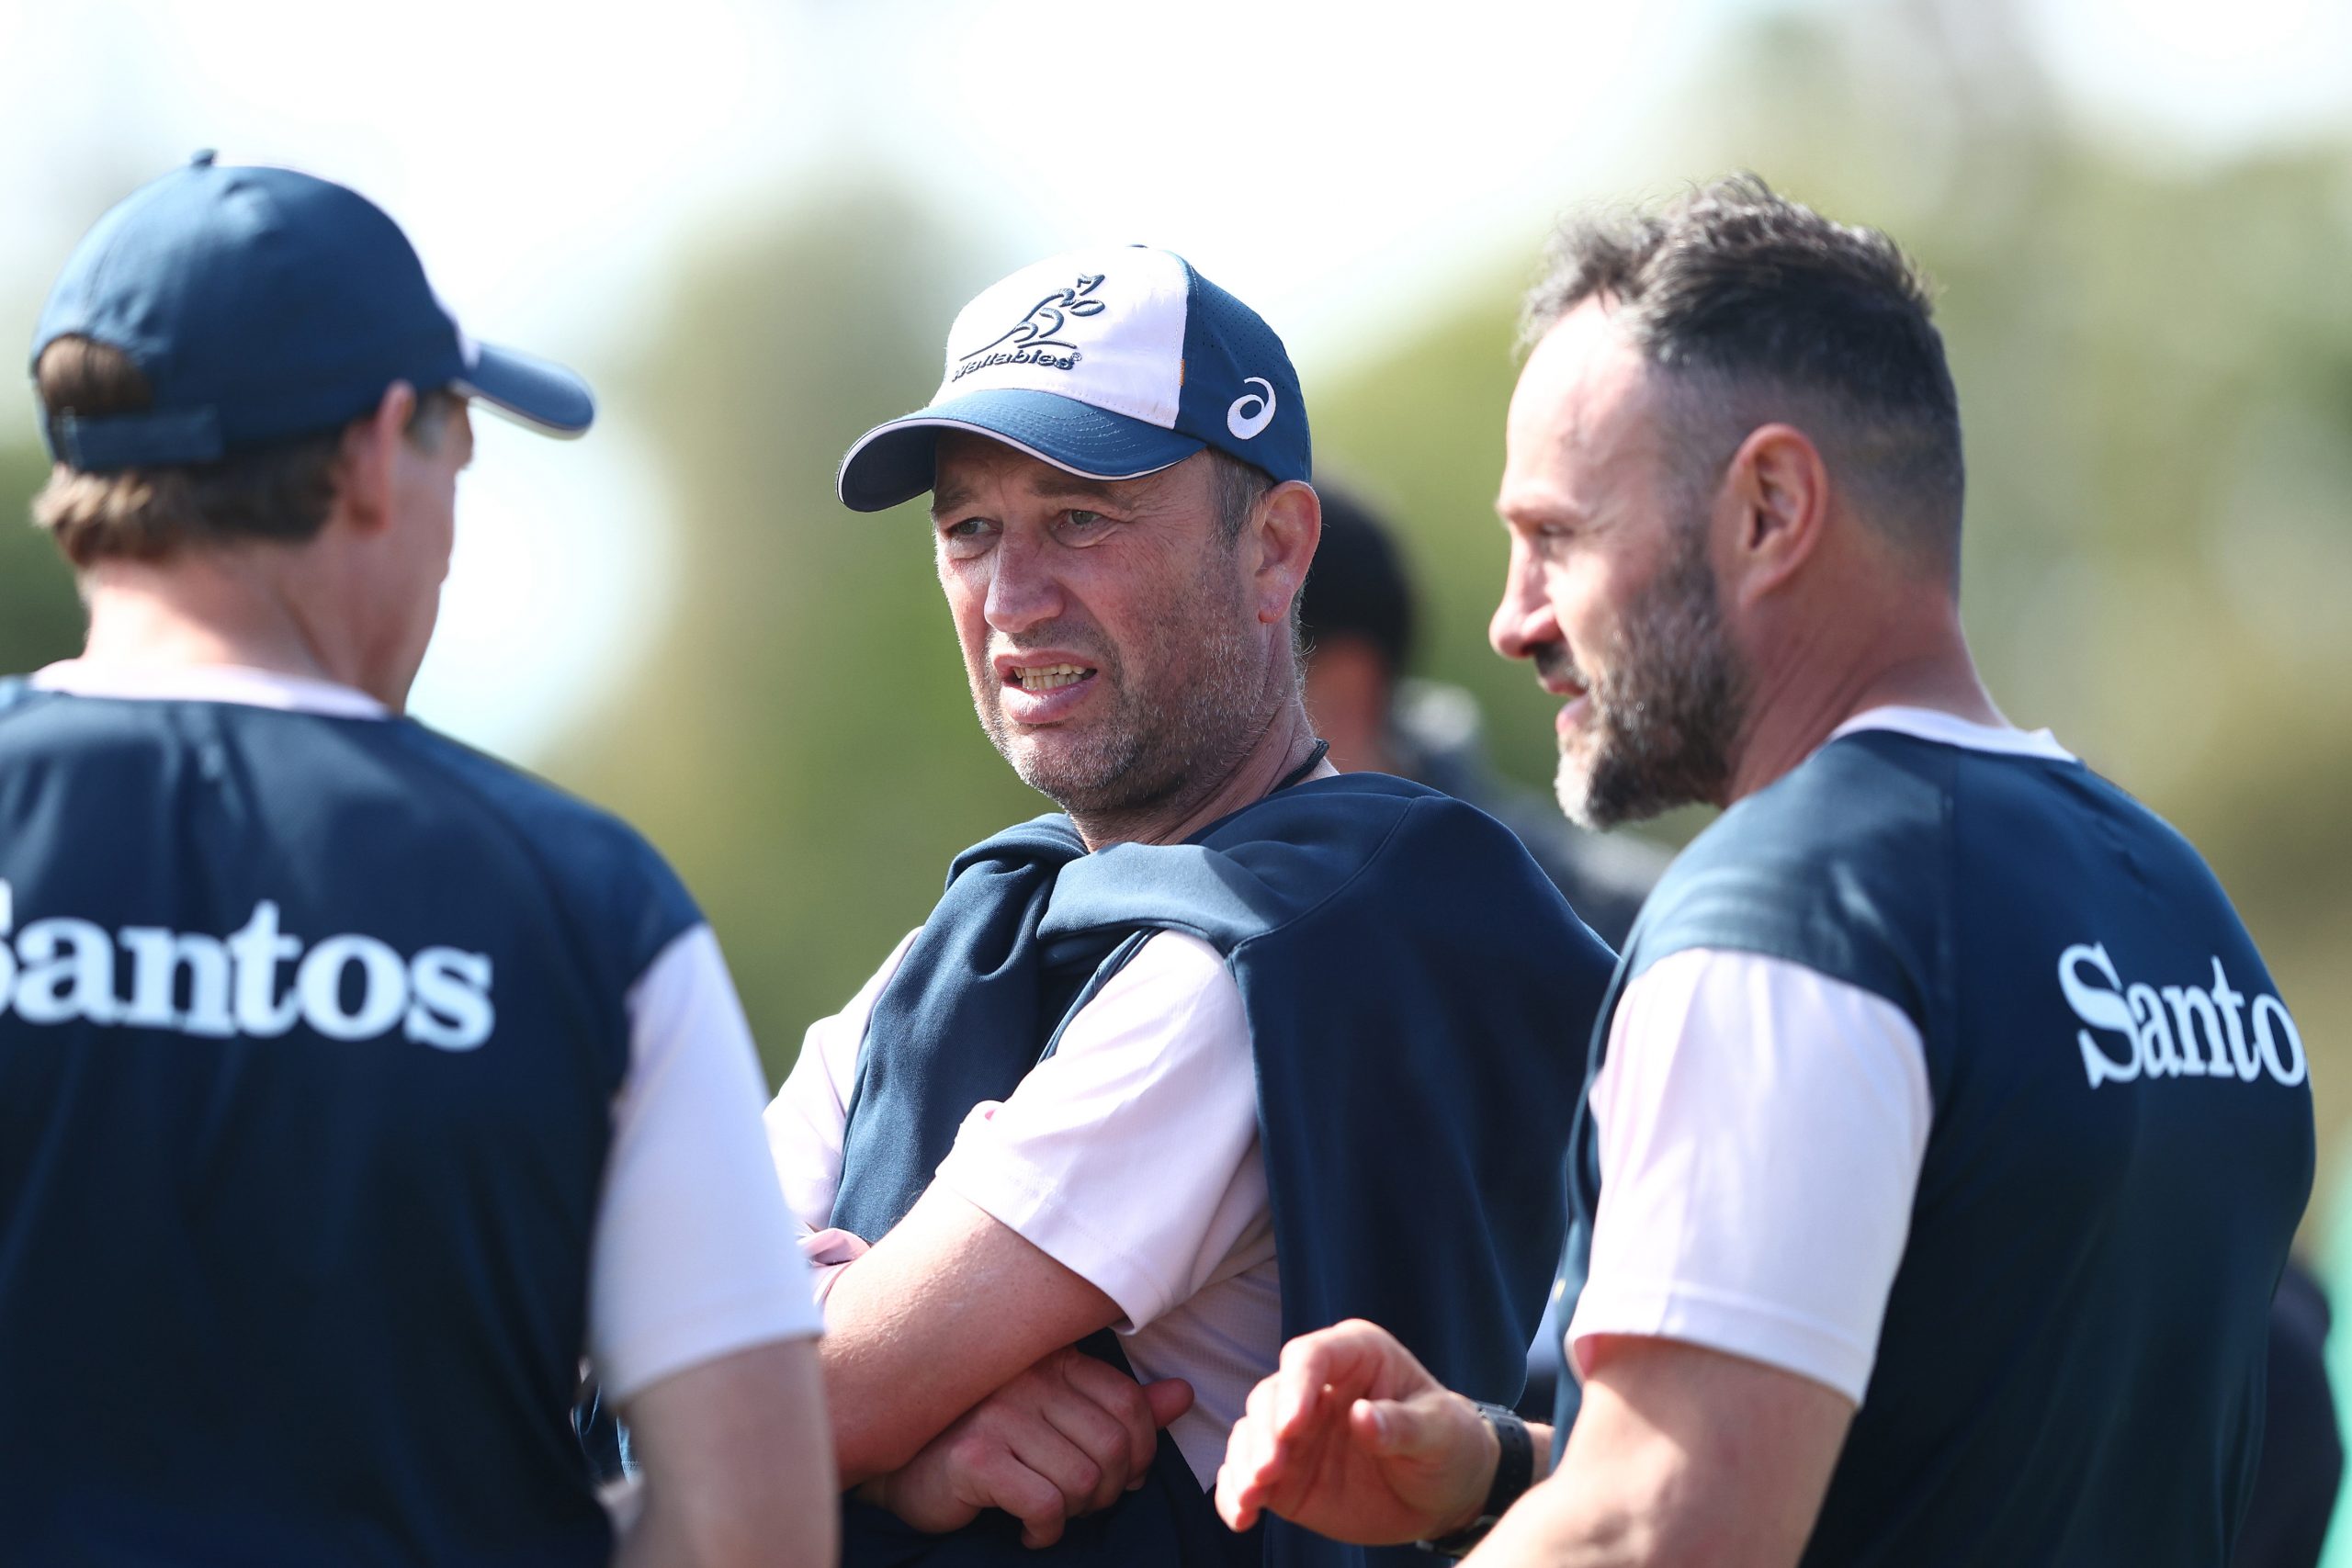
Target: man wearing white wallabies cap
(1229, 1046)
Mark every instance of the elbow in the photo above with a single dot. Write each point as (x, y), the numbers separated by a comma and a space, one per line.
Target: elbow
(871, 1436)
(862, 1455)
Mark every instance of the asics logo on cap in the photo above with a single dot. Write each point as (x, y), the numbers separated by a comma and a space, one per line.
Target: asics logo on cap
(1246, 422)
(1034, 336)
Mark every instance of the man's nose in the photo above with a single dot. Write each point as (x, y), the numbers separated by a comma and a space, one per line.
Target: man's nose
(1523, 621)
(1022, 591)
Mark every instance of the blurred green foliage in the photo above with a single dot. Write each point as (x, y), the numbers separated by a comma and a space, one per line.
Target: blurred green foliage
(802, 743)
(39, 618)
(2155, 368)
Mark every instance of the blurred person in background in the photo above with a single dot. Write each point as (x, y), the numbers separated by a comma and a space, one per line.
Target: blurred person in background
(1230, 1048)
(352, 1085)
(2301, 1473)
(1359, 616)
(1947, 1134)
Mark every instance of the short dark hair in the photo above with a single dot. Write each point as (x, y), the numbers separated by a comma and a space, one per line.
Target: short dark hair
(279, 493)
(1237, 485)
(1765, 310)
(1358, 586)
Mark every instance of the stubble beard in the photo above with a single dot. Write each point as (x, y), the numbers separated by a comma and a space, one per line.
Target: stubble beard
(1664, 721)
(1145, 751)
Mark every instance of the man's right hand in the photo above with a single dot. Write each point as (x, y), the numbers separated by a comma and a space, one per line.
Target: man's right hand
(1064, 1438)
(1353, 1438)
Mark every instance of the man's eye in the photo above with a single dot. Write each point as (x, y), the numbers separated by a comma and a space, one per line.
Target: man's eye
(1079, 526)
(966, 533)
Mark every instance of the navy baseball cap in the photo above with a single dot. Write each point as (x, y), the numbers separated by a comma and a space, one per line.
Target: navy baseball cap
(262, 304)
(1111, 364)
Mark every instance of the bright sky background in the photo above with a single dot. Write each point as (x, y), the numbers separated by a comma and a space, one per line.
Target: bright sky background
(552, 162)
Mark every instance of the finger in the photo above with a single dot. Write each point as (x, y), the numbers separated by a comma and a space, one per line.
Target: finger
(1237, 1513)
(1167, 1399)
(1252, 1454)
(1298, 1382)
(1409, 1428)
(1060, 1461)
(1045, 1532)
(1108, 1443)
(1028, 1496)
(1237, 1479)
(1123, 1401)
(1341, 1360)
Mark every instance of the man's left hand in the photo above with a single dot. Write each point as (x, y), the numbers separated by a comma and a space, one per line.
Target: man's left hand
(1064, 1438)
(1355, 1439)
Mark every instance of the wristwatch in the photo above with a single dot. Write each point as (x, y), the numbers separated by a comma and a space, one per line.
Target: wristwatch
(1514, 1472)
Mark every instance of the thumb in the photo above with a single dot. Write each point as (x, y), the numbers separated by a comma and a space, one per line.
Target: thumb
(1399, 1428)
(1169, 1398)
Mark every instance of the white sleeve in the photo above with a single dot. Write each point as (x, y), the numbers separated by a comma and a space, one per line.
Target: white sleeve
(695, 1256)
(1761, 1128)
(1130, 1156)
(810, 1115)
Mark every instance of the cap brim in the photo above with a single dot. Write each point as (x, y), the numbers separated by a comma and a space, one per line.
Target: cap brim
(536, 393)
(894, 461)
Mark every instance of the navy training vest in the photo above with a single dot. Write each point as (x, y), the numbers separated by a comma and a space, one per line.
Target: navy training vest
(2071, 1367)
(1417, 993)
(309, 1028)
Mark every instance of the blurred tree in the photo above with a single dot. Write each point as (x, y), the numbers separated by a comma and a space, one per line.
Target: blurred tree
(41, 619)
(802, 743)
(2155, 375)
(2156, 365)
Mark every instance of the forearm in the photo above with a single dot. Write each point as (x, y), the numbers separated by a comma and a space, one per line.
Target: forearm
(1561, 1525)
(735, 1467)
(1681, 1455)
(655, 1537)
(945, 1310)
(884, 1407)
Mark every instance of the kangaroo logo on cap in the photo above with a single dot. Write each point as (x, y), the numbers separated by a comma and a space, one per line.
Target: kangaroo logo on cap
(1246, 422)
(1034, 338)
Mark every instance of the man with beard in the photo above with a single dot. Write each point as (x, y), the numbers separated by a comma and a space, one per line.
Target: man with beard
(1947, 1134)
(1229, 1049)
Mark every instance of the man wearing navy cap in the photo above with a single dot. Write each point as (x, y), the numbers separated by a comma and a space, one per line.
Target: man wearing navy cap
(1229, 1047)
(352, 1085)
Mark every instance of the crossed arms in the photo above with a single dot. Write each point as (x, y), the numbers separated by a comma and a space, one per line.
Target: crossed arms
(952, 1387)
(947, 1354)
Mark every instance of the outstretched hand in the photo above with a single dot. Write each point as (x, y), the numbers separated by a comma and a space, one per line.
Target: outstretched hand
(1064, 1438)
(1353, 1438)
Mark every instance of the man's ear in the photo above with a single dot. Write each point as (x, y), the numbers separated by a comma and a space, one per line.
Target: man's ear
(1288, 523)
(1776, 489)
(363, 467)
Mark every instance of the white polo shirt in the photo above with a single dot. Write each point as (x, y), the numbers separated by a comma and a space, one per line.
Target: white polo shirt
(1130, 1156)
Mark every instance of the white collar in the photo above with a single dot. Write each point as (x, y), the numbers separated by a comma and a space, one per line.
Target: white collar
(1950, 729)
(208, 683)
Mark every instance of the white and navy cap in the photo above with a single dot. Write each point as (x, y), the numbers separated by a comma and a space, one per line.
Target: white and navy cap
(1109, 363)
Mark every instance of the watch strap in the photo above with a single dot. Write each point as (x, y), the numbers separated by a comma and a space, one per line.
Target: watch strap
(1514, 1472)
